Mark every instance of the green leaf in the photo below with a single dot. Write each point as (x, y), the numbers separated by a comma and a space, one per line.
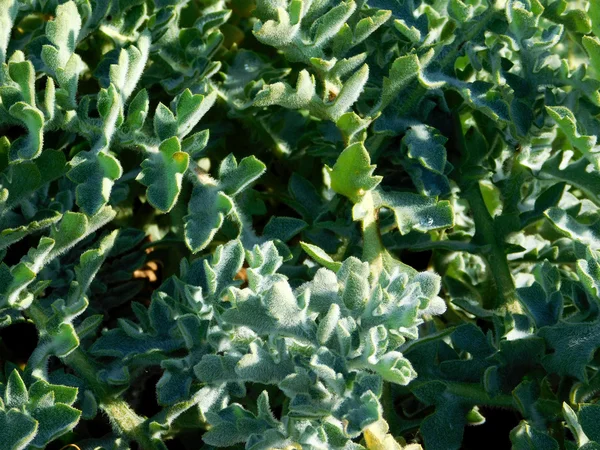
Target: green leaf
(9, 236)
(460, 11)
(526, 437)
(132, 61)
(234, 178)
(351, 175)
(426, 164)
(568, 124)
(320, 256)
(594, 15)
(416, 212)
(573, 346)
(8, 13)
(30, 147)
(190, 109)
(75, 226)
(585, 234)
(368, 25)
(64, 30)
(206, 212)
(17, 430)
(283, 228)
(53, 422)
(95, 174)
(592, 47)
(23, 73)
(574, 173)
(163, 173)
(326, 27)
(91, 260)
(284, 95)
(138, 110)
(165, 124)
(589, 418)
(60, 57)
(588, 270)
(15, 395)
(403, 70)
(27, 177)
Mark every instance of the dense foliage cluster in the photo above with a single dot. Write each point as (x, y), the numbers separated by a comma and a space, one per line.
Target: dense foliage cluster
(299, 224)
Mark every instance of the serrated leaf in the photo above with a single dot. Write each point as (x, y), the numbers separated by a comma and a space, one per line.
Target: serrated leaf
(30, 147)
(165, 124)
(283, 228)
(351, 175)
(16, 395)
(190, 109)
(234, 178)
(8, 13)
(328, 25)
(416, 212)
(9, 236)
(138, 110)
(585, 234)
(17, 430)
(206, 212)
(64, 30)
(568, 124)
(526, 437)
(163, 174)
(573, 346)
(95, 174)
(403, 70)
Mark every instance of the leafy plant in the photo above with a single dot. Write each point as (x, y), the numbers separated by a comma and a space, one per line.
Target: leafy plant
(316, 224)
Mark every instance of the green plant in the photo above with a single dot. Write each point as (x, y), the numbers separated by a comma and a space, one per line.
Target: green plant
(313, 224)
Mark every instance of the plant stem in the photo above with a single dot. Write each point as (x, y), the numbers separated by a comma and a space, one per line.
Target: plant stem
(170, 413)
(473, 393)
(389, 411)
(453, 246)
(476, 393)
(123, 418)
(506, 295)
(373, 249)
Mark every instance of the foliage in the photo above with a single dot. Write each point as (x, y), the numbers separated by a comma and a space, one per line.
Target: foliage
(283, 224)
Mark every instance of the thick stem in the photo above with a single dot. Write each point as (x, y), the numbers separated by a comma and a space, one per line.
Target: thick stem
(389, 411)
(493, 252)
(123, 418)
(373, 249)
(477, 394)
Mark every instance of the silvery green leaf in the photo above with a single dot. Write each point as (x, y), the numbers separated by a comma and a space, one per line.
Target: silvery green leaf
(8, 12)
(525, 437)
(30, 147)
(163, 173)
(352, 174)
(94, 174)
(416, 212)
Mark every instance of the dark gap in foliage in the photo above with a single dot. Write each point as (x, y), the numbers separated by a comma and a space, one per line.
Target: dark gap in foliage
(13, 132)
(59, 139)
(56, 445)
(176, 444)
(93, 112)
(417, 260)
(484, 325)
(54, 363)
(18, 250)
(18, 341)
(142, 394)
(495, 430)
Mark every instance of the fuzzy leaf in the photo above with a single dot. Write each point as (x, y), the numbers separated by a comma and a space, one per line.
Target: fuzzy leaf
(163, 173)
(351, 175)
